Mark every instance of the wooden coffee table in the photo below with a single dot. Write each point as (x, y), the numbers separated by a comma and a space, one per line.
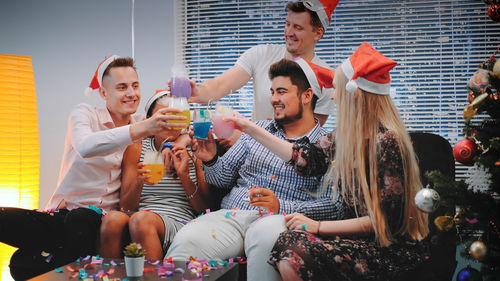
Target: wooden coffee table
(228, 272)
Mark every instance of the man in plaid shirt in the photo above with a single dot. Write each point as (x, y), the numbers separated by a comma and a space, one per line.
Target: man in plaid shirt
(253, 173)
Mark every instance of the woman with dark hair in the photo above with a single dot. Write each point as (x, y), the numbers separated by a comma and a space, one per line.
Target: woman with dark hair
(152, 213)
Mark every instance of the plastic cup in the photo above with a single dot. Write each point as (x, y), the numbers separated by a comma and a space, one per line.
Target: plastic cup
(180, 87)
(153, 161)
(223, 129)
(201, 123)
(182, 104)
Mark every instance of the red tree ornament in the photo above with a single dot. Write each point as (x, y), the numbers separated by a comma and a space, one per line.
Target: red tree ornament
(464, 151)
(494, 12)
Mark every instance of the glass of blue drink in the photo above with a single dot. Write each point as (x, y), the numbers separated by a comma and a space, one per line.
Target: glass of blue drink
(201, 123)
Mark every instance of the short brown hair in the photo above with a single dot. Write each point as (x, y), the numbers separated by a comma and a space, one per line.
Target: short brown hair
(298, 7)
(119, 62)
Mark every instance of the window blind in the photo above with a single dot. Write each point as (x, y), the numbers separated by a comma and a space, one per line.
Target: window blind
(438, 46)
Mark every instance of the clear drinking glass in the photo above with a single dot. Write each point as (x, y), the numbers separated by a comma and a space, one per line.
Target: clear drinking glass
(201, 123)
(223, 129)
(153, 161)
(182, 104)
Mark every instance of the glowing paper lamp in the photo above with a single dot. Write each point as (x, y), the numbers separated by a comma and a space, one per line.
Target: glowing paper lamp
(19, 147)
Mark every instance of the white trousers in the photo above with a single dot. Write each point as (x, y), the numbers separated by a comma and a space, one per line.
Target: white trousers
(217, 236)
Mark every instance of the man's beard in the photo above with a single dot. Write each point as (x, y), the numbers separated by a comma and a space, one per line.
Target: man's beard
(289, 119)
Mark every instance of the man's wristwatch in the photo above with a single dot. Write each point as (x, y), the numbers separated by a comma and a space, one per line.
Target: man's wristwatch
(211, 162)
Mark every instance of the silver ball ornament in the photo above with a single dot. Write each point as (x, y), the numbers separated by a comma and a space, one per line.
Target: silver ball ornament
(427, 200)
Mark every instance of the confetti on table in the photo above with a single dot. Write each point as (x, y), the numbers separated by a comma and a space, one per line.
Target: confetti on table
(59, 270)
(44, 254)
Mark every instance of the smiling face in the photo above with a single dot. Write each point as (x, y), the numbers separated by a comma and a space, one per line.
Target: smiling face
(286, 100)
(120, 89)
(300, 35)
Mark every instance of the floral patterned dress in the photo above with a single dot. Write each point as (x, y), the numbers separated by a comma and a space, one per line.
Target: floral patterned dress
(353, 258)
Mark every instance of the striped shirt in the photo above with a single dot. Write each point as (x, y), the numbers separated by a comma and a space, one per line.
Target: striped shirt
(167, 196)
(249, 163)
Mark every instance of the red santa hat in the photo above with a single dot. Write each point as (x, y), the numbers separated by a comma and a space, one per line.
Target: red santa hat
(369, 70)
(319, 77)
(97, 78)
(323, 8)
(158, 94)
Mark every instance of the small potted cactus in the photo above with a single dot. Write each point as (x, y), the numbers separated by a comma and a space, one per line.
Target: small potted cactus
(134, 259)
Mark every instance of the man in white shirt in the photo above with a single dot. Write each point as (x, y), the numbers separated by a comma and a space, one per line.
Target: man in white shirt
(89, 179)
(305, 25)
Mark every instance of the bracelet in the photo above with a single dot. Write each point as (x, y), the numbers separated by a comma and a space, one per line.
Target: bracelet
(319, 225)
(194, 193)
(211, 162)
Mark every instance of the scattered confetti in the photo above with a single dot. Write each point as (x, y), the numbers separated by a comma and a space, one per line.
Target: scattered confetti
(59, 270)
(213, 233)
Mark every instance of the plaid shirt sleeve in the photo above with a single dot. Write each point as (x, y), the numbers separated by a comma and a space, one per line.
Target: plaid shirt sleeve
(224, 172)
(321, 208)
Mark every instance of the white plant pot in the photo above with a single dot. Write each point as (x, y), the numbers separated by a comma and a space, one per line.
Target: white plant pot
(134, 266)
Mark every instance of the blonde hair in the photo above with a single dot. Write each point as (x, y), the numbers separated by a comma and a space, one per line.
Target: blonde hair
(359, 118)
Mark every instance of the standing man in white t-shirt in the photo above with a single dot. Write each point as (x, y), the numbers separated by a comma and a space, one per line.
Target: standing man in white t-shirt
(305, 25)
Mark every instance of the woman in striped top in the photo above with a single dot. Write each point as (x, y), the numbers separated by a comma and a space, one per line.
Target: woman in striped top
(153, 213)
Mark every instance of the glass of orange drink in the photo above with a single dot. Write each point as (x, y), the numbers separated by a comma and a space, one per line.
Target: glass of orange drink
(153, 162)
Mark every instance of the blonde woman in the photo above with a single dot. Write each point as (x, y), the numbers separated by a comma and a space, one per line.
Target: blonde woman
(373, 166)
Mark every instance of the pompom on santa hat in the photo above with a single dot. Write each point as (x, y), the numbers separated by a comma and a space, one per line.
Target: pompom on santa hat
(318, 77)
(323, 8)
(97, 78)
(368, 69)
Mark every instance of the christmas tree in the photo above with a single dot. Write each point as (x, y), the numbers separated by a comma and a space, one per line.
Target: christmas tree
(476, 199)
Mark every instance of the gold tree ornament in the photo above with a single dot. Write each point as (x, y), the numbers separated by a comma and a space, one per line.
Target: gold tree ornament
(478, 250)
(471, 109)
(444, 223)
(496, 69)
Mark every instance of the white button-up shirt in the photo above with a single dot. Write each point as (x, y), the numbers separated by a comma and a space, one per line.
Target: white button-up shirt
(90, 171)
